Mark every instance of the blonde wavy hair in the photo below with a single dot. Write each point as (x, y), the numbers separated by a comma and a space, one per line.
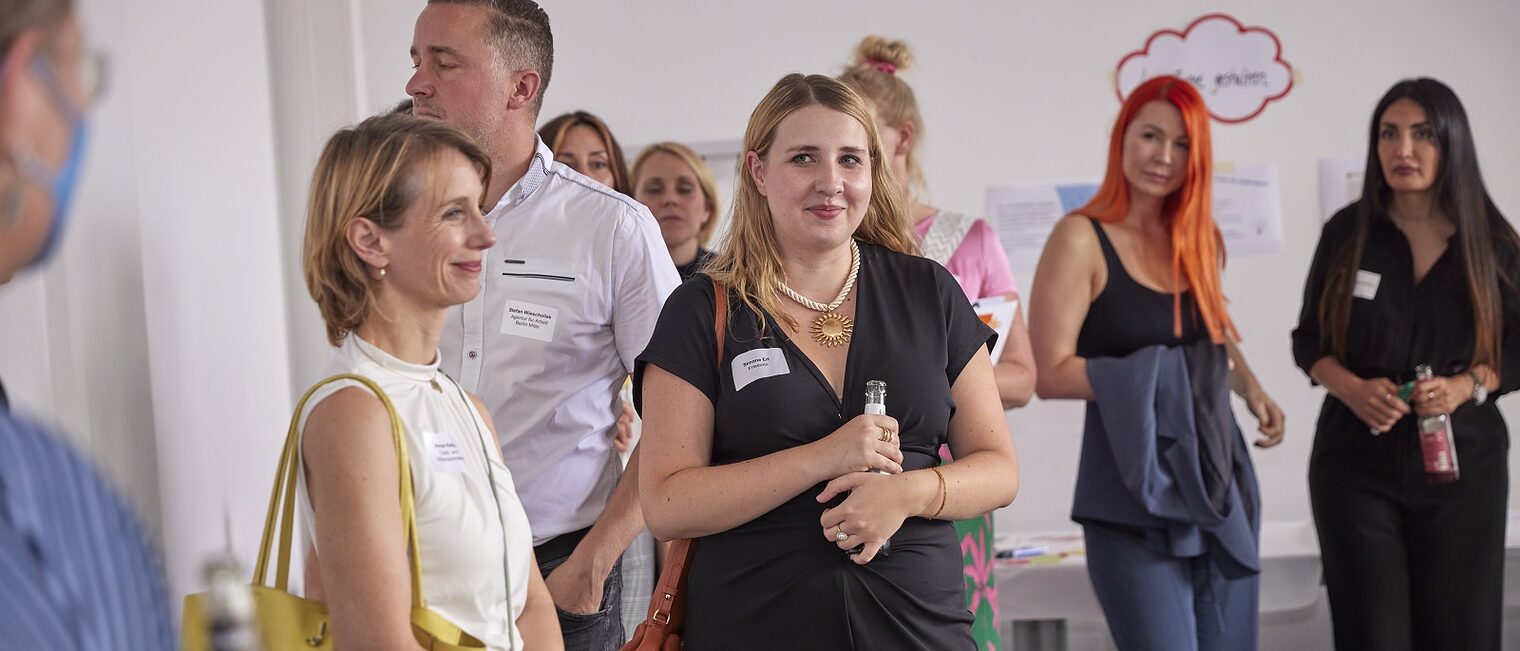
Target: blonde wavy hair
(699, 169)
(873, 74)
(371, 170)
(749, 262)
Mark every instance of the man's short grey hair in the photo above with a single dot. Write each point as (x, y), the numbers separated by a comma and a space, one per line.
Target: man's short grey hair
(518, 32)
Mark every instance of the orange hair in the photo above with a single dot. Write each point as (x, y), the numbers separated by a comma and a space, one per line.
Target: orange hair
(1197, 246)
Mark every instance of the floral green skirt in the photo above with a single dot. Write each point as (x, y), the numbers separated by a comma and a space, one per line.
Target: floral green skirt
(979, 558)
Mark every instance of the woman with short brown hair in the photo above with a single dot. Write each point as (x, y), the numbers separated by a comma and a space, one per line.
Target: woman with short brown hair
(394, 237)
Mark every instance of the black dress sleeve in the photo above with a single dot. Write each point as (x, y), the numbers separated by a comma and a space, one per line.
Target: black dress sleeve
(683, 343)
(964, 330)
(1308, 343)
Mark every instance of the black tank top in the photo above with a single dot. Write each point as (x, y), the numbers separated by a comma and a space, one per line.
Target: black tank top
(1127, 316)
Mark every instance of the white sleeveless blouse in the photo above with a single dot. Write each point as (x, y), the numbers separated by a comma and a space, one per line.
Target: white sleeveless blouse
(459, 531)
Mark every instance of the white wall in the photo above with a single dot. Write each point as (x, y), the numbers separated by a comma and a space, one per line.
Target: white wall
(212, 275)
(1022, 91)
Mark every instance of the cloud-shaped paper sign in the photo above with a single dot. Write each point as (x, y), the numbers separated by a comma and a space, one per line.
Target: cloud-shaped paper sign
(1238, 69)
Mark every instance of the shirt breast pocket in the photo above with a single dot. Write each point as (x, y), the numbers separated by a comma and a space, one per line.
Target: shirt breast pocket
(545, 279)
(544, 297)
(546, 270)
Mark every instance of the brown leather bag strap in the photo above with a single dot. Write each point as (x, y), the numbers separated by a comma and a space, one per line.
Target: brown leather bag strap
(667, 607)
(720, 318)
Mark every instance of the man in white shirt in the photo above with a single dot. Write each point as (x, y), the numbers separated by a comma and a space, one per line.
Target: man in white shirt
(571, 294)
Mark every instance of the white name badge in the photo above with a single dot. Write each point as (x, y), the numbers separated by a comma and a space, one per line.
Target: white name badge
(757, 364)
(529, 320)
(1366, 284)
(443, 452)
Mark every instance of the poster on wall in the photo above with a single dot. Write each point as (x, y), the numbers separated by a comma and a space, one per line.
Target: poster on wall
(1340, 183)
(1238, 69)
(1023, 214)
(1247, 208)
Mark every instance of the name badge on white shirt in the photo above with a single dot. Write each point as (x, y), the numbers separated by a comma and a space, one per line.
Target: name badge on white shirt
(529, 320)
(444, 454)
(1366, 284)
(757, 364)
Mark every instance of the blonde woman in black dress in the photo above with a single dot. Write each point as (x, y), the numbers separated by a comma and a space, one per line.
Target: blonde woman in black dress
(764, 456)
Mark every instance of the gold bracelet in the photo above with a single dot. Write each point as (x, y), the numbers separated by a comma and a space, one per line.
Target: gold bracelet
(944, 491)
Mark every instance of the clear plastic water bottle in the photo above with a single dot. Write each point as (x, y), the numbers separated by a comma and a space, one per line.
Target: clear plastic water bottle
(876, 397)
(876, 405)
(1437, 445)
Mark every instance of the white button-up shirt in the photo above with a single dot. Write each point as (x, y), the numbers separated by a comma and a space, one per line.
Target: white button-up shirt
(569, 297)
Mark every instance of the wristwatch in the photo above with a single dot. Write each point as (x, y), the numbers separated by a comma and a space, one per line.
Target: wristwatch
(1480, 392)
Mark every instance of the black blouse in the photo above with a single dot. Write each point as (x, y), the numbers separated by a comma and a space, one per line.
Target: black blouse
(691, 269)
(1397, 324)
(775, 582)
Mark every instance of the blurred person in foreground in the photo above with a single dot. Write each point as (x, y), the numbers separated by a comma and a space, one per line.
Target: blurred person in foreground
(76, 568)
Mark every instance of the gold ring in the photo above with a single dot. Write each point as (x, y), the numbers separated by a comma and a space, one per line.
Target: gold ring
(886, 436)
(841, 535)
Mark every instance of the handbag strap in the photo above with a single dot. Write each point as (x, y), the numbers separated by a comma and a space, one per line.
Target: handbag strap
(945, 236)
(720, 317)
(664, 610)
(283, 502)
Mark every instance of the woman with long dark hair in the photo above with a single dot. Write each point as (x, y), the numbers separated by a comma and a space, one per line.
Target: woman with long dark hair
(1421, 270)
(583, 141)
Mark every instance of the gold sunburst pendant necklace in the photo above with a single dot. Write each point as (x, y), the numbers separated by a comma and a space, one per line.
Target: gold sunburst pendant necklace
(831, 329)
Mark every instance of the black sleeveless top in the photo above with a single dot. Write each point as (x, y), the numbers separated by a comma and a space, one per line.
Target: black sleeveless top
(1127, 316)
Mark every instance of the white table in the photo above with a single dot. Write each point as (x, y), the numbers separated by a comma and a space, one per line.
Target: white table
(1038, 598)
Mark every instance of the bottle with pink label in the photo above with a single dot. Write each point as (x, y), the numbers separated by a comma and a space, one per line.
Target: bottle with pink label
(1436, 442)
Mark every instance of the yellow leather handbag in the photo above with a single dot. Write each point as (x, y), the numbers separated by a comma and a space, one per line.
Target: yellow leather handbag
(286, 621)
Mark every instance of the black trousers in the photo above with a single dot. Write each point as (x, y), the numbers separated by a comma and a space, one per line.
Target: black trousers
(1410, 566)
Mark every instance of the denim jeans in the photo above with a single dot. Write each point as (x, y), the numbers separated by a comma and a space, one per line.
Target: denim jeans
(598, 631)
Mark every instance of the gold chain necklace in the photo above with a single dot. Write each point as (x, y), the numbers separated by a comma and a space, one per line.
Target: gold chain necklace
(830, 329)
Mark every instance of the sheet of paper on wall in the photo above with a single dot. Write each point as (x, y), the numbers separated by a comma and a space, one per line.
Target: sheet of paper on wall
(1340, 183)
(1248, 210)
(998, 313)
(1024, 214)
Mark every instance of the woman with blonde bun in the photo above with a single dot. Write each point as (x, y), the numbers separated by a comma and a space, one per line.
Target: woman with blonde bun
(970, 250)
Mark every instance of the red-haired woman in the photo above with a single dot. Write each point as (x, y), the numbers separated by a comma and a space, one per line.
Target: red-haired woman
(1173, 567)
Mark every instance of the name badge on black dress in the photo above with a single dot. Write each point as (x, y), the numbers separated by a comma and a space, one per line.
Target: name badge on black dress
(758, 364)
